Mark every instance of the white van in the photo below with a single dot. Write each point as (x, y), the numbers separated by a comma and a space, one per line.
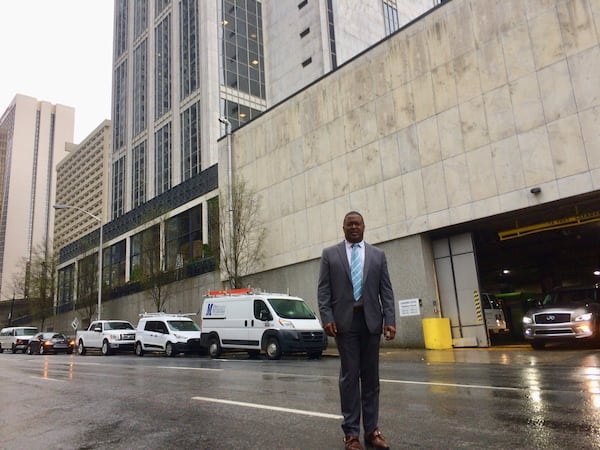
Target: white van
(16, 338)
(170, 334)
(494, 315)
(274, 323)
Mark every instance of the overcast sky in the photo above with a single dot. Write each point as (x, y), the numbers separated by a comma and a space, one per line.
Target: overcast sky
(58, 51)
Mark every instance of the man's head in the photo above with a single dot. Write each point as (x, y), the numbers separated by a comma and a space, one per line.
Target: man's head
(354, 227)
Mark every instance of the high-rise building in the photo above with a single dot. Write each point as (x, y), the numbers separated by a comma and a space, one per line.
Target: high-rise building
(80, 183)
(33, 135)
(81, 189)
(180, 66)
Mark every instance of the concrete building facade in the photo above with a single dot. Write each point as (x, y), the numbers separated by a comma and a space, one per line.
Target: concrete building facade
(33, 137)
(457, 118)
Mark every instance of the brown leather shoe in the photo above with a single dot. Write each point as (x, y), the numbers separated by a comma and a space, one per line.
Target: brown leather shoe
(352, 443)
(376, 440)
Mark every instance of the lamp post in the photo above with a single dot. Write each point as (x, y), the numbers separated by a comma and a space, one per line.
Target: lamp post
(227, 124)
(99, 250)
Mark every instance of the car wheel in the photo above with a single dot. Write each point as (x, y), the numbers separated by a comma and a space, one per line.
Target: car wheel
(29, 349)
(139, 349)
(13, 349)
(538, 345)
(105, 348)
(1, 349)
(214, 347)
(41, 349)
(81, 348)
(169, 349)
(273, 348)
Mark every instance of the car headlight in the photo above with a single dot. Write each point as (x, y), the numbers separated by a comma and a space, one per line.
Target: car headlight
(286, 323)
(527, 320)
(180, 337)
(584, 317)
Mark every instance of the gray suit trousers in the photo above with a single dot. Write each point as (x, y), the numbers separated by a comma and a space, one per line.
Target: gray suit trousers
(359, 376)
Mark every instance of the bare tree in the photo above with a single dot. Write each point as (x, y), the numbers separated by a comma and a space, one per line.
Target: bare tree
(87, 290)
(148, 267)
(241, 246)
(35, 281)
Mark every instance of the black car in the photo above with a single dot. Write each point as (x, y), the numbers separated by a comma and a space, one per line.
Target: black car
(50, 342)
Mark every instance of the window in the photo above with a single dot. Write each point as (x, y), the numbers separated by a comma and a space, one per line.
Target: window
(140, 17)
(120, 110)
(121, 28)
(162, 68)
(145, 254)
(118, 187)
(140, 88)
(162, 163)
(65, 285)
(390, 16)
(304, 32)
(306, 62)
(188, 47)
(190, 142)
(113, 265)
(302, 4)
(87, 280)
(138, 182)
(183, 236)
(242, 51)
(331, 29)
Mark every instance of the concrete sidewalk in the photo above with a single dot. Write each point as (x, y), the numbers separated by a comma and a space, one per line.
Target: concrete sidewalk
(508, 354)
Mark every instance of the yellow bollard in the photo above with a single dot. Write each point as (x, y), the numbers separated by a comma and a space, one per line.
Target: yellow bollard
(437, 333)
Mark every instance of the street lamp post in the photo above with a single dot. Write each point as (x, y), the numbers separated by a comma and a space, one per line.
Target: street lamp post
(227, 124)
(99, 250)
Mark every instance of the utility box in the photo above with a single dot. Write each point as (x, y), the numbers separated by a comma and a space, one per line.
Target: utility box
(436, 332)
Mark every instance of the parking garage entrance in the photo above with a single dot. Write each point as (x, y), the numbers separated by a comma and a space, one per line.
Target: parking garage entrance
(518, 257)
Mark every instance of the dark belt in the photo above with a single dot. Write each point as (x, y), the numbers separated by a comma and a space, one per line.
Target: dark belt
(358, 308)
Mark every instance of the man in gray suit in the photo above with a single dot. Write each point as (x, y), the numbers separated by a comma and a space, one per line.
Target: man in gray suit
(356, 304)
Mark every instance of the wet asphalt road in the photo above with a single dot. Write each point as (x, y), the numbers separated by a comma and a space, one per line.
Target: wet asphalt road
(502, 398)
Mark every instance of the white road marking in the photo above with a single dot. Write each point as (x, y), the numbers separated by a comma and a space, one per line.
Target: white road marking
(189, 368)
(47, 379)
(472, 386)
(268, 407)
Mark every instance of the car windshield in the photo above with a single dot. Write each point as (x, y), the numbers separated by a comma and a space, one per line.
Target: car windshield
(118, 326)
(52, 335)
(25, 331)
(570, 296)
(183, 325)
(291, 309)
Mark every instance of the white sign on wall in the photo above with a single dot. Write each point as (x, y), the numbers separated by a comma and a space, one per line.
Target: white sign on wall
(409, 307)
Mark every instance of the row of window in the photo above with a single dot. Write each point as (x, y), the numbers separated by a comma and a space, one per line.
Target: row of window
(168, 246)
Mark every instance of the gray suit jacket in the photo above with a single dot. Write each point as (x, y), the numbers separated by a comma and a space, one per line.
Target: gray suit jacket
(335, 296)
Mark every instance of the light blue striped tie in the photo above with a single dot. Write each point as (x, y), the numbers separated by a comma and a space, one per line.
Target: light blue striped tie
(356, 272)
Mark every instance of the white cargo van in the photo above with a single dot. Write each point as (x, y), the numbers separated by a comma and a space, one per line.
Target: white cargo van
(256, 321)
(16, 338)
(494, 315)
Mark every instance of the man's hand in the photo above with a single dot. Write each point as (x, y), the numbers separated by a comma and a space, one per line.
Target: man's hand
(389, 332)
(330, 329)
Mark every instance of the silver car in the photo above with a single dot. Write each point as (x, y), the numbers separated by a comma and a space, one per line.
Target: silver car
(565, 314)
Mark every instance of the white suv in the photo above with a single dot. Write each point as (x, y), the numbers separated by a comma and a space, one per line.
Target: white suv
(168, 333)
